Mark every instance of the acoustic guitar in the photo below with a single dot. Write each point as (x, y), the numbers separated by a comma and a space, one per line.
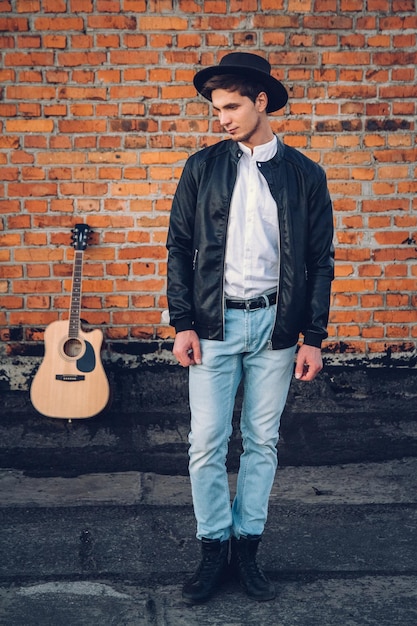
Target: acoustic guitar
(71, 382)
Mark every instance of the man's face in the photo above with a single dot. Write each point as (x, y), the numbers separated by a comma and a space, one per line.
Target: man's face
(241, 118)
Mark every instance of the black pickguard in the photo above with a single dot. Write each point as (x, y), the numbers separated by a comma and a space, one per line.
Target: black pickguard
(87, 362)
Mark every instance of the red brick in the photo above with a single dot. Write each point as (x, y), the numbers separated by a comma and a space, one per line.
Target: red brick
(372, 332)
(63, 24)
(38, 302)
(55, 41)
(377, 205)
(122, 116)
(390, 238)
(370, 270)
(372, 301)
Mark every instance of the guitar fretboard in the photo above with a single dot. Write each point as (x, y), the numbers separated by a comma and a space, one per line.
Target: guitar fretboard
(74, 320)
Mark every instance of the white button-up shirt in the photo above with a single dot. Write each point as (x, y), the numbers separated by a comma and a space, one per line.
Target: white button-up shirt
(252, 249)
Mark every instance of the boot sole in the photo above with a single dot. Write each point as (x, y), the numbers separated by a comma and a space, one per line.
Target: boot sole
(266, 598)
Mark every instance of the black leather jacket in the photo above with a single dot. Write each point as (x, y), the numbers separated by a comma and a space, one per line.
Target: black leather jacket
(197, 240)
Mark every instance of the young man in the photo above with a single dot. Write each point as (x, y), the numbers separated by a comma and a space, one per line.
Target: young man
(250, 267)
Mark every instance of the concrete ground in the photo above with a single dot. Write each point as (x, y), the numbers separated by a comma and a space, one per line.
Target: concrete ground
(113, 549)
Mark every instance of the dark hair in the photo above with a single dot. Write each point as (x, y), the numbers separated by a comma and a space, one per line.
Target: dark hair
(232, 82)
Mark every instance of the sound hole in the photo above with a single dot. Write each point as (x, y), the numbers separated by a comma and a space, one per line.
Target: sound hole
(72, 347)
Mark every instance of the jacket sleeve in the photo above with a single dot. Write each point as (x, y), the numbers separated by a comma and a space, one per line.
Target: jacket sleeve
(180, 250)
(320, 264)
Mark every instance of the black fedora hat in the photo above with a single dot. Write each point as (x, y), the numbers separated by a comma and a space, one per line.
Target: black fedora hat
(251, 66)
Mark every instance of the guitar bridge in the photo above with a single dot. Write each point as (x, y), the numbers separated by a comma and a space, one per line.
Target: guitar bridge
(70, 378)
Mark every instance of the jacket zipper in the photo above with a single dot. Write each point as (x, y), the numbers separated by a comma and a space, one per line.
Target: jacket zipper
(276, 315)
(270, 347)
(224, 253)
(279, 282)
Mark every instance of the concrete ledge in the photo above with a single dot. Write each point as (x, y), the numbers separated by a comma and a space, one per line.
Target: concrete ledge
(347, 415)
(390, 482)
(384, 600)
(340, 545)
(356, 518)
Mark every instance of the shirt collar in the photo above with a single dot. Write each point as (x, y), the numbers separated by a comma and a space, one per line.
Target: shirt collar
(264, 152)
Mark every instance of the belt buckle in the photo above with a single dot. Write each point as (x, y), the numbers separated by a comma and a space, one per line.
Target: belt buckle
(264, 302)
(267, 300)
(255, 304)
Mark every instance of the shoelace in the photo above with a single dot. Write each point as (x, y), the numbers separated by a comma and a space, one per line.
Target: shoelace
(250, 568)
(209, 564)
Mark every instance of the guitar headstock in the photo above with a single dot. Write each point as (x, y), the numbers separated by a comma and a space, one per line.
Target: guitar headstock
(81, 234)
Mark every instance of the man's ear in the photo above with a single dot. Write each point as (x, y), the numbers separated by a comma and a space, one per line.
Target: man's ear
(262, 101)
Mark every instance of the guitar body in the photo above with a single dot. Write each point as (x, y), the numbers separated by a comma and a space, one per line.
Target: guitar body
(71, 382)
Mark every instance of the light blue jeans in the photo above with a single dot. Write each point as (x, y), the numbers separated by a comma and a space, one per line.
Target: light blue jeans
(266, 374)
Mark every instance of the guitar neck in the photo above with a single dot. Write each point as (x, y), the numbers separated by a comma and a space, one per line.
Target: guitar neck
(75, 309)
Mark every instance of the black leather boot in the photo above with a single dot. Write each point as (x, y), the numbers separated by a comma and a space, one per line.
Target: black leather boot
(251, 577)
(210, 574)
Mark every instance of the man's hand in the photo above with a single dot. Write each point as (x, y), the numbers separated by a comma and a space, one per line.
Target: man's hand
(187, 348)
(309, 363)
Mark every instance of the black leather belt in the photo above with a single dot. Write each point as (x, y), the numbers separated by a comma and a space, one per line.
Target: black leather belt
(260, 302)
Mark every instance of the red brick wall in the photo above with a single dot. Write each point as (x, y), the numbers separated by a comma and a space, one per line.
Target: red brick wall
(98, 115)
